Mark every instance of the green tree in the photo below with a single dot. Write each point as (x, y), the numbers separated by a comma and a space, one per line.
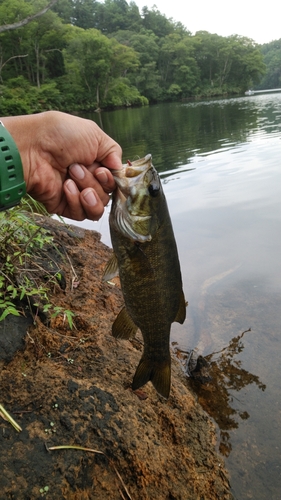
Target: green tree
(64, 9)
(154, 21)
(83, 54)
(111, 16)
(123, 60)
(145, 45)
(207, 56)
(99, 65)
(84, 13)
(45, 60)
(6, 11)
(178, 66)
(272, 59)
(247, 66)
(87, 60)
(33, 51)
(134, 18)
(227, 63)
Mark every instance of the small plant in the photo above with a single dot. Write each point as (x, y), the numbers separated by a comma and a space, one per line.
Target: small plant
(44, 490)
(60, 310)
(23, 279)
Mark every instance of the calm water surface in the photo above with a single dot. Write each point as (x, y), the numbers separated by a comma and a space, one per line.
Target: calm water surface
(220, 162)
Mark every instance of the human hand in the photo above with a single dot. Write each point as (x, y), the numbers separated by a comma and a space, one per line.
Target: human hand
(65, 161)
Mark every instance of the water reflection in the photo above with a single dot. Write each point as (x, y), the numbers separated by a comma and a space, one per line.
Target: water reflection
(99, 119)
(176, 133)
(215, 378)
(166, 177)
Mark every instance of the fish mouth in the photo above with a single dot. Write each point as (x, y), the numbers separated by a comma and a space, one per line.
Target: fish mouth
(131, 169)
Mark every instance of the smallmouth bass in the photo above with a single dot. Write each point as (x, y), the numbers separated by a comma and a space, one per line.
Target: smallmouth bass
(146, 257)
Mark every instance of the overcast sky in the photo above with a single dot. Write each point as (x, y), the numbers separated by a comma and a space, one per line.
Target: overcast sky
(259, 21)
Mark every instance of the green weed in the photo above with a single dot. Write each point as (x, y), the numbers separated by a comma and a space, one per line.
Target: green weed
(23, 280)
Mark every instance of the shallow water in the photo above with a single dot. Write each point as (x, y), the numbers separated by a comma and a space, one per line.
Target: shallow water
(220, 165)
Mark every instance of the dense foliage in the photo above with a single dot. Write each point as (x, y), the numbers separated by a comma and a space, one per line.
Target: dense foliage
(272, 58)
(85, 54)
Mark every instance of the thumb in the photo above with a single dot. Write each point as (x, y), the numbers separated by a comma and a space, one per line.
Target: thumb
(112, 161)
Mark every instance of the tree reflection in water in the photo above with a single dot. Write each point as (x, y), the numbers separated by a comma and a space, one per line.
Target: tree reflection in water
(214, 378)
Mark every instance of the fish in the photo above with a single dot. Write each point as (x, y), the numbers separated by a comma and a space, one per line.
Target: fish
(146, 258)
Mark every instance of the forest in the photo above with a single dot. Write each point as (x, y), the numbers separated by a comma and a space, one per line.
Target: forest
(83, 55)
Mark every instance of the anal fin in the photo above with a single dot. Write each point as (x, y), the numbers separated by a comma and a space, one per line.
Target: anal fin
(123, 326)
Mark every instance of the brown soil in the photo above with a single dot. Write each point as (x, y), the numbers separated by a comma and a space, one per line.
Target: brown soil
(72, 387)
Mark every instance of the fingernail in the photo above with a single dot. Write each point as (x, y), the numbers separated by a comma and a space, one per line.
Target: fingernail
(90, 198)
(102, 177)
(77, 171)
(71, 186)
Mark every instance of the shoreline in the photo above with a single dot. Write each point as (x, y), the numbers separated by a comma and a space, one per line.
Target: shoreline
(72, 387)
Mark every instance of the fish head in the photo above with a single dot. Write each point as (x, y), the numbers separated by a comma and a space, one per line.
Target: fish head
(133, 211)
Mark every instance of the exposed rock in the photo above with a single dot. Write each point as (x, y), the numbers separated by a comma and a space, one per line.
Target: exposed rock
(12, 332)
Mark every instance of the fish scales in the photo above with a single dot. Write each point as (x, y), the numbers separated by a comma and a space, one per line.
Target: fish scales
(149, 270)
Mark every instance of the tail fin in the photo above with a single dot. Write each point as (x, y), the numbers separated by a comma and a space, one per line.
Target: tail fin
(158, 372)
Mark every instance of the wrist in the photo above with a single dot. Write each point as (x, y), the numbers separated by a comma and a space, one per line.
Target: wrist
(12, 185)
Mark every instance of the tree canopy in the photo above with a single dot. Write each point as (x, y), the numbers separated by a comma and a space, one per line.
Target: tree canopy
(88, 54)
(272, 58)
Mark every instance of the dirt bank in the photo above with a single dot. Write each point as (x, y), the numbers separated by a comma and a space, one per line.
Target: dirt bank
(72, 387)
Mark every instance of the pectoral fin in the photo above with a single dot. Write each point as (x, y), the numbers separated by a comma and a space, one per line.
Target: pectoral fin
(158, 373)
(111, 269)
(124, 327)
(181, 314)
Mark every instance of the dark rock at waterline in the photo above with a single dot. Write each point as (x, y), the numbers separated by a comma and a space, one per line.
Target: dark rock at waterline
(12, 332)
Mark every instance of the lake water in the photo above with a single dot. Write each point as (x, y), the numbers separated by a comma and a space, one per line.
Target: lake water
(220, 163)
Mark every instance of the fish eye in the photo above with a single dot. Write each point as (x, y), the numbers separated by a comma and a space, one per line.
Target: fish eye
(153, 189)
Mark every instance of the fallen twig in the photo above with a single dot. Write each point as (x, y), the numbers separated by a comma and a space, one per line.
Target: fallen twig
(74, 280)
(6, 416)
